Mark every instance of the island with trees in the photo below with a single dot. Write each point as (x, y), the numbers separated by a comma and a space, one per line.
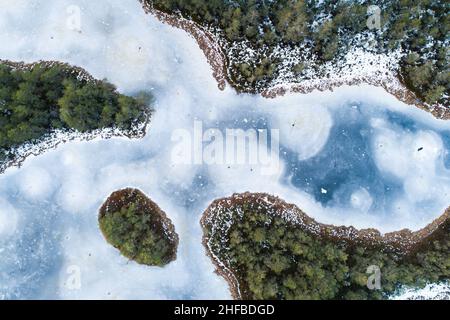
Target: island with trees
(268, 249)
(40, 98)
(268, 43)
(134, 224)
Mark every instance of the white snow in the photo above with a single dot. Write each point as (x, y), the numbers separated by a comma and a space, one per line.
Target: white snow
(415, 159)
(433, 291)
(303, 128)
(8, 219)
(361, 200)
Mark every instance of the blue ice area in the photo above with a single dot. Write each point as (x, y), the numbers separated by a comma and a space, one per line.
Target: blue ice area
(350, 172)
(31, 259)
(347, 163)
(446, 139)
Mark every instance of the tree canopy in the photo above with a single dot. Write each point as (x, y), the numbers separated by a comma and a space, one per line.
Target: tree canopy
(36, 100)
(273, 257)
(419, 28)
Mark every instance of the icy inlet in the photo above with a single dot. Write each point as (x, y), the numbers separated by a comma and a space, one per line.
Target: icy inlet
(356, 156)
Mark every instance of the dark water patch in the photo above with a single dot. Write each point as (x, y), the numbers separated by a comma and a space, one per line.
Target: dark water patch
(446, 140)
(402, 121)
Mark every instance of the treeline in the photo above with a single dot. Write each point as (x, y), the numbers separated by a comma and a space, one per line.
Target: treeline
(419, 28)
(36, 100)
(274, 258)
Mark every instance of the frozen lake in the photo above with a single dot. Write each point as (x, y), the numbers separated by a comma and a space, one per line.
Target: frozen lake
(356, 156)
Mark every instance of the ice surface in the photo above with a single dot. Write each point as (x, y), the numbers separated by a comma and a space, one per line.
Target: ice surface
(435, 291)
(358, 143)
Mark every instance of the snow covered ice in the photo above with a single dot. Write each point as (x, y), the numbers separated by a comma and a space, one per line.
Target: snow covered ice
(382, 163)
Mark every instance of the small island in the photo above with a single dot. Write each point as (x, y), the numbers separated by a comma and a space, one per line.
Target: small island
(135, 225)
(268, 249)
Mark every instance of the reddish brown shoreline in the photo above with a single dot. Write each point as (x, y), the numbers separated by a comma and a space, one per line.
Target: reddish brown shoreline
(403, 242)
(81, 74)
(205, 41)
(218, 62)
(401, 93)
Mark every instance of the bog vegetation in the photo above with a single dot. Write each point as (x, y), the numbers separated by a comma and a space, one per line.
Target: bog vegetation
(136, 226)
(419, 28)
(35, 101)
(274, 258)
